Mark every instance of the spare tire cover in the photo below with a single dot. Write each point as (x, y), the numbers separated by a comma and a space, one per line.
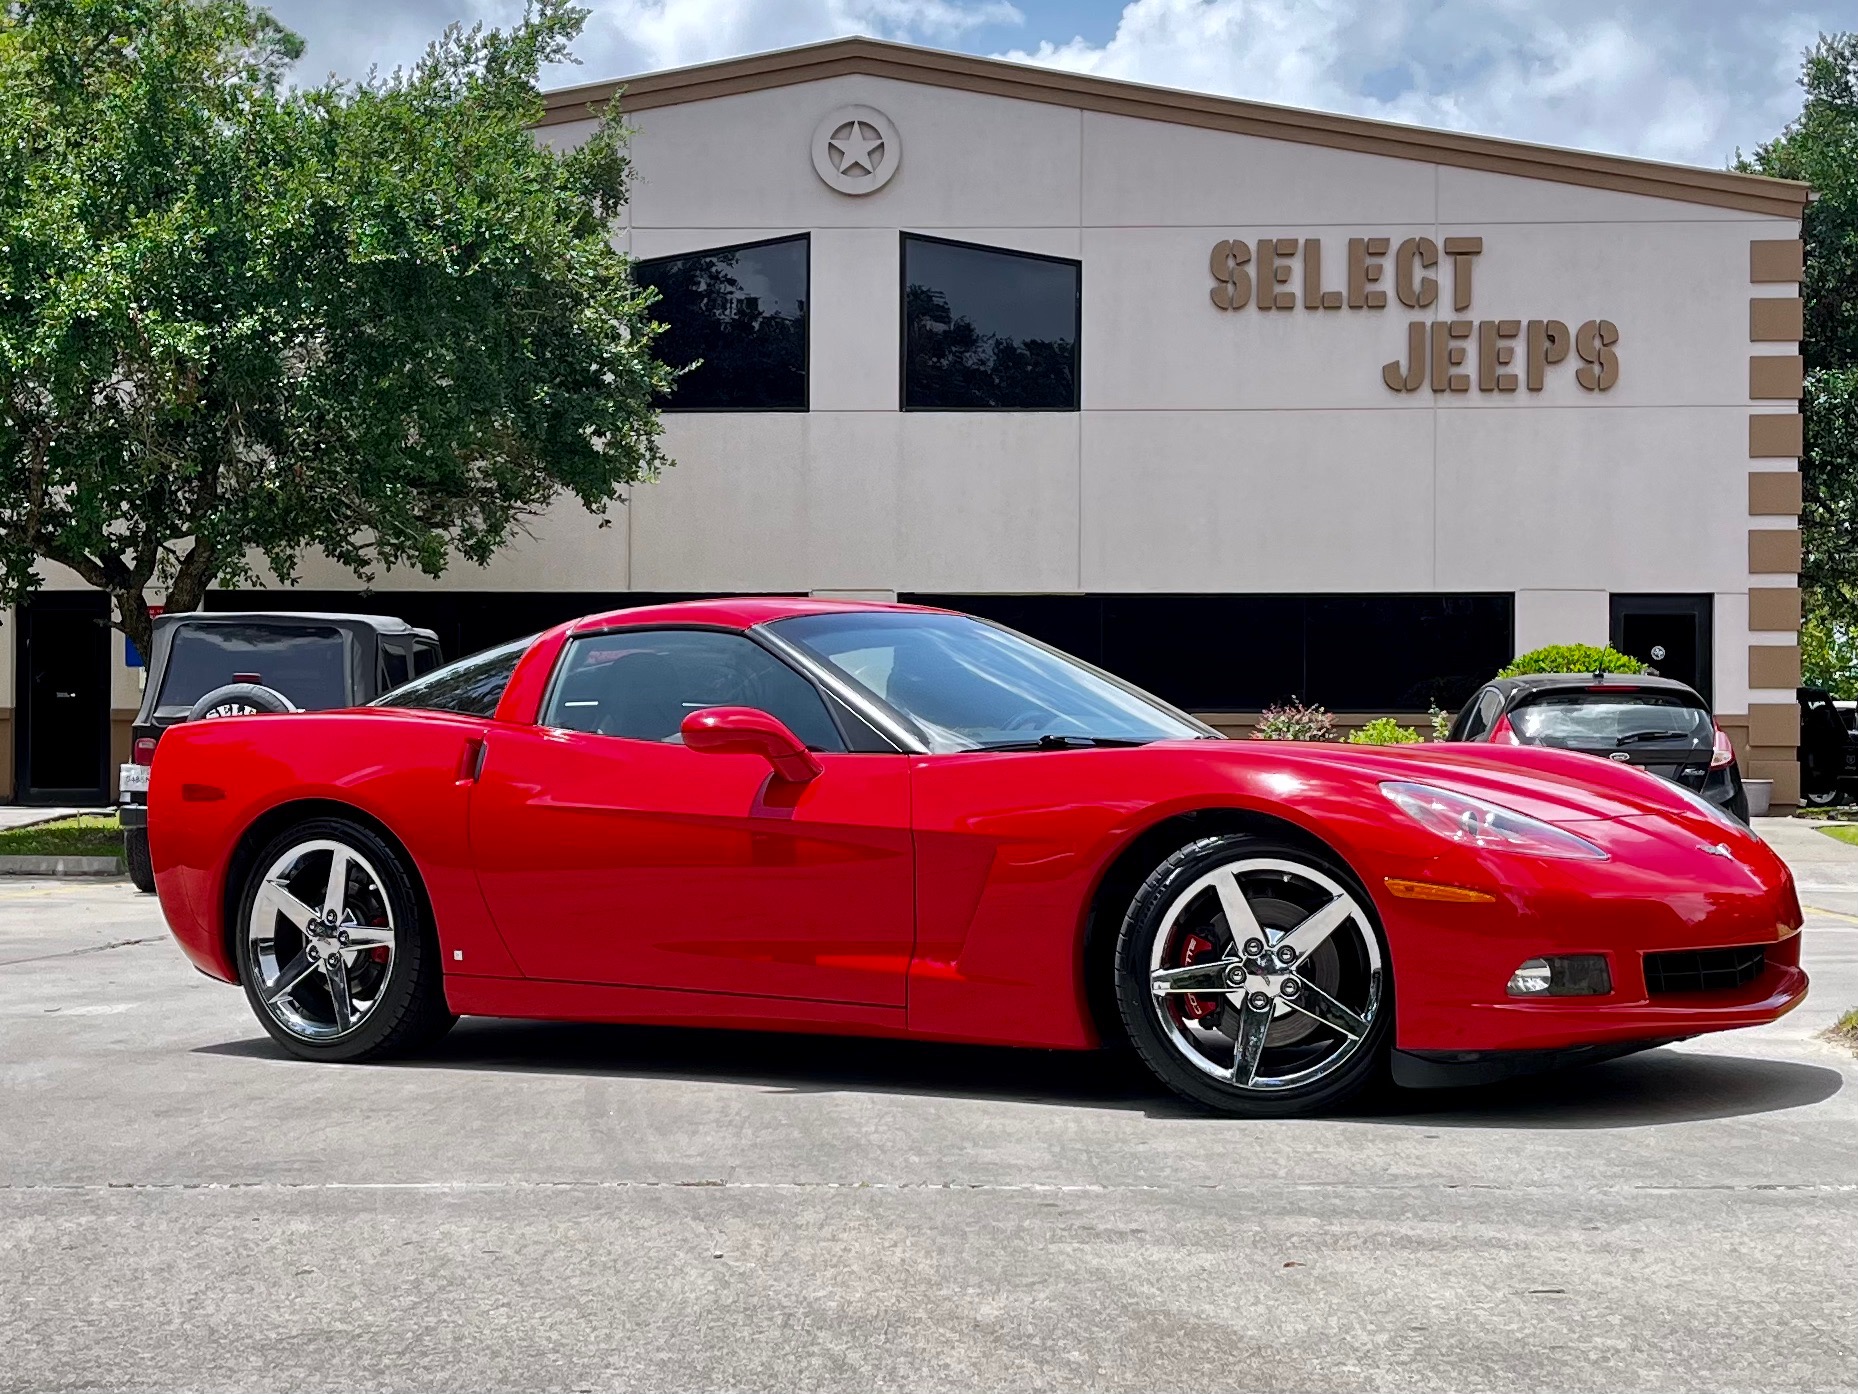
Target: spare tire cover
(240, 699)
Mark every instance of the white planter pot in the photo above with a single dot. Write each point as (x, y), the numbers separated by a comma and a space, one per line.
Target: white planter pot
(1760, 795)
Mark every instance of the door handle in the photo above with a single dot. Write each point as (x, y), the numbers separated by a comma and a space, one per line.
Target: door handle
(471, 760)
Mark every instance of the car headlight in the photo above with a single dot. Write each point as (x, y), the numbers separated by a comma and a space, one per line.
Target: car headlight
(1489, 827)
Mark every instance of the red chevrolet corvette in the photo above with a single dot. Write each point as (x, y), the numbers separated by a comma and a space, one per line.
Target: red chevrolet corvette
(885, 820)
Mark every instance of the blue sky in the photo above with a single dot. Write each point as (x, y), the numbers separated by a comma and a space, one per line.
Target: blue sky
(1682, 80)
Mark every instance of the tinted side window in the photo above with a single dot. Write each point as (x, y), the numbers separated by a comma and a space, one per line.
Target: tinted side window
(1483, 716)
(985, 329)
(740, 315)
(472, 686)
(642, 684)
(394, 667)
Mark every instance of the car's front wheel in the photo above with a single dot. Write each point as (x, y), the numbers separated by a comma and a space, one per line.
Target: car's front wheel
(1253, 978)
(333, 950)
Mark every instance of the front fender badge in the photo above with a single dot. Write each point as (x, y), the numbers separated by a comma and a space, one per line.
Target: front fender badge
(1716, 849)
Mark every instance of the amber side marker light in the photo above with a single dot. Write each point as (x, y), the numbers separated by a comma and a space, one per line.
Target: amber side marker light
(1433, 890)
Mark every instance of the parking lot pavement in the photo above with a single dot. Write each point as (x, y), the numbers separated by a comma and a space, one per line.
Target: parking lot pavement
(545, 1207)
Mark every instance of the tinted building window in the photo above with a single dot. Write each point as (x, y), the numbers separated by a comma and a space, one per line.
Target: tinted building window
(1209, 653)
(740, 315)
(988, 330)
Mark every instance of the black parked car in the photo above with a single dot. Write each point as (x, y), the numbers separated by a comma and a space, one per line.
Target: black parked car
(1828, 750)
(234, 664)
(1658, 724)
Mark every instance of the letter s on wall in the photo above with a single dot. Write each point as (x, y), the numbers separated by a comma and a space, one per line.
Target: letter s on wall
(1594, 342)
(1232, 283)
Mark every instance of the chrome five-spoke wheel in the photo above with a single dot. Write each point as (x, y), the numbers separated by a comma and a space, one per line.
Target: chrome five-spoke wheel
(1253, 977)
(321, 939)
(336, 947)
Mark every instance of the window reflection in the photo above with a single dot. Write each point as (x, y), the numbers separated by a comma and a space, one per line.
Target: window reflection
(739, 314)
(986, 329)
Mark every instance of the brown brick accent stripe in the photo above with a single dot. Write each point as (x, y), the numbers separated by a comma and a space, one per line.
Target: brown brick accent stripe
(1774, 607)
(1776, 319)
(1776, 377)
(1774, 723)
(1773, 492)
(1776, 262)
(1774, 551)
(1774, 665)
(1775, 435)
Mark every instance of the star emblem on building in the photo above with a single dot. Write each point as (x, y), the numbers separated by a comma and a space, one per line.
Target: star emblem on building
(859, 148)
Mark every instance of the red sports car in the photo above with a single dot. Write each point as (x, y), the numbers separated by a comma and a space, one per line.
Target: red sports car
(885, 820)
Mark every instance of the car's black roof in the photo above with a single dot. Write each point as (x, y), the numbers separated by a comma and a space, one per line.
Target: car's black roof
(381, 624)
(1531, 683)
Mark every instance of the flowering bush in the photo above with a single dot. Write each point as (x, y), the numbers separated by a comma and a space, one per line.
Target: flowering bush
(1383, 730)
(1294, 722)
(1441, 722)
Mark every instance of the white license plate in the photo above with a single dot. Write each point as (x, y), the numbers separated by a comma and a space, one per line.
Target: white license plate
(132, 779)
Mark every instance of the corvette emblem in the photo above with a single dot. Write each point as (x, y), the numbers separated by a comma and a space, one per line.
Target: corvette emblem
(1716, 849)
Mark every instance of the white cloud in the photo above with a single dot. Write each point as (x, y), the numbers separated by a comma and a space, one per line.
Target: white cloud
(627, 36)
(1683, 80)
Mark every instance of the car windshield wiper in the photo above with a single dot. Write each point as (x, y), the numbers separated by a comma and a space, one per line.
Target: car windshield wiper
(1633, 737)
(1053, 741)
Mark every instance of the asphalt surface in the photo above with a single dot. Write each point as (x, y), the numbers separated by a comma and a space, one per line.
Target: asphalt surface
(540, 1207)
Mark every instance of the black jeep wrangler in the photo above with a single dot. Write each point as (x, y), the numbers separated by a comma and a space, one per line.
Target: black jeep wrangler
(237, 664)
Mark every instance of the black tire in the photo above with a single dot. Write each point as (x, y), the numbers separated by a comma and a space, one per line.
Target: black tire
(240, 699)
(410, 1011)
(1362, 1065)
(135, 857)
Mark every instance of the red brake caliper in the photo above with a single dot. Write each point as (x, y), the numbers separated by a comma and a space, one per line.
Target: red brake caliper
(1197, 947)
(379, 952)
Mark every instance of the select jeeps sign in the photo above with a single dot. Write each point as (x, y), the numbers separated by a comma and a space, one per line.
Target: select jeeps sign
(1447, 355)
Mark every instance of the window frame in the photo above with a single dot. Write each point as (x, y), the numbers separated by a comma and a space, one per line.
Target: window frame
(904, 238)
(828, 698)
(806, 321)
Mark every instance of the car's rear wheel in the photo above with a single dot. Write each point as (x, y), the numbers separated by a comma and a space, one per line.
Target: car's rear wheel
(1253, 978)
(135, 855)
(333, 949)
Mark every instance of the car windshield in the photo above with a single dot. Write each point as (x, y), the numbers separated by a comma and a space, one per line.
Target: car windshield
(968, 685)
(1612, 720)
(307, 663)
(472, 686)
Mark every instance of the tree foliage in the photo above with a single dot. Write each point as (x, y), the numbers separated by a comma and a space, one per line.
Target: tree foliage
(1821, 147)
(240, 320)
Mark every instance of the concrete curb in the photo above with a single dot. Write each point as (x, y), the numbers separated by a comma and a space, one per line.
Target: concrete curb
(61, 866)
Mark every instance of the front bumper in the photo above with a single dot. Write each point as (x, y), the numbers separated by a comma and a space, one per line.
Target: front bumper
(1663, 890)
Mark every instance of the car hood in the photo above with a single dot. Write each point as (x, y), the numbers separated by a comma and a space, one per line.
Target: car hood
(1556, 786)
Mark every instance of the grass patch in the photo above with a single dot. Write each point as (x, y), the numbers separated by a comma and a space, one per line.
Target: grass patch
(1843, 833)
(1844, 1031)
(87, 835)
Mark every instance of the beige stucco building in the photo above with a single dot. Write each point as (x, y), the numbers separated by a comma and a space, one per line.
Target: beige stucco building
(1246, 402)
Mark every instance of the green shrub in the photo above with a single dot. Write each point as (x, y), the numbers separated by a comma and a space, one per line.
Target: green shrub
(1441, 722)
(1383, 730)
(1294, 722)
(1572, 658)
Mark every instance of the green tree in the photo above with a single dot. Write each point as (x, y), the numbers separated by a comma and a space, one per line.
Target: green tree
(240, 320)
(1821, 147)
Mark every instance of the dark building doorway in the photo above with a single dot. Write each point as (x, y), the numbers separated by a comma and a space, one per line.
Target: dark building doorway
(1670, 633)
(63, 663)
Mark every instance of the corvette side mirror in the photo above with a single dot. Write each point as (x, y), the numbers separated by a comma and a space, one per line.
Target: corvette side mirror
(746, 731)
